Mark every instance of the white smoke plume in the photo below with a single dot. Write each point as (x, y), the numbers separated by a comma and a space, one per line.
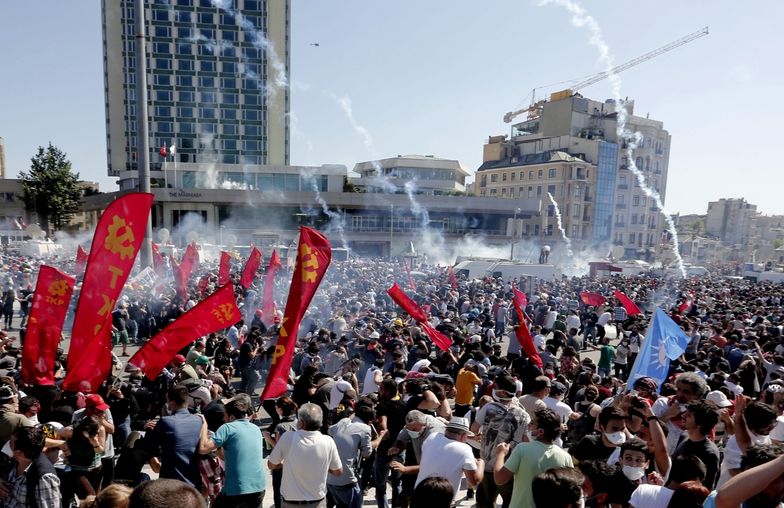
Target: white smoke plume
(581, 19)
(559, 221)
(419, 211)
(336, 219)
(345, 106)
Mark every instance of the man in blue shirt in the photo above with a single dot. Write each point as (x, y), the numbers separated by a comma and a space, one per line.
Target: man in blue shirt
(174, 442)
(242, 445)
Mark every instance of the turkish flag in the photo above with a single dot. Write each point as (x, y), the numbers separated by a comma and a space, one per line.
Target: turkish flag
(452, 278)
(81, 259)
(163, 151)
(523, 334)
(630, 306)
(268, 303)
(224, 271)
(216, 312)
(45, 325)
(249, 272)
(314, 254)
(117, 239)
(594, 299)
(519, 299)
(419, 315)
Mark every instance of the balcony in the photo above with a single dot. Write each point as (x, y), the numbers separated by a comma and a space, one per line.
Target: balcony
(653, 208)
(588, 199)
(579, 176)
(620, 206)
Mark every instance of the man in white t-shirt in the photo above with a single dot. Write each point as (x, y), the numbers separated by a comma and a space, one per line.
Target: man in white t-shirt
(447, 455)
(306, 456)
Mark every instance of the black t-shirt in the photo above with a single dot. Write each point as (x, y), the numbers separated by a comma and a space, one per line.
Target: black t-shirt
(707, 452)
(395, 411)
(591, 448)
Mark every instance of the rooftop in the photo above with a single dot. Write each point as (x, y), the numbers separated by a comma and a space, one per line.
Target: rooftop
(531, 159)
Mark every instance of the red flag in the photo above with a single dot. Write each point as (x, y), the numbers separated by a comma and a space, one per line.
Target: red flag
(216, 312)
(313, 256)
(687, 304)
(158, 264)
(410, 279)
(163, 151)
(249, 273)
(630, 306)
(519, 299)
(594, 299)
(117, 239)
(224, 272)
(452, 278)
(190, 259)
(81, 259)
(268, 302)
(45, 324)
(523, 334)
(419, 315)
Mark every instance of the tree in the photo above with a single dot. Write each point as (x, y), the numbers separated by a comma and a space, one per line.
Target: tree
(51, 189)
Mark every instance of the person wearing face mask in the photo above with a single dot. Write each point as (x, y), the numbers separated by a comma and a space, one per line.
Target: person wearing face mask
(612, 427)
(633, 465)
(419, 426)
(501, 421)
(174, 441)
(528, 460)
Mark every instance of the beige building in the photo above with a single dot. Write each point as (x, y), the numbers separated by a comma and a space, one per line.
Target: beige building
(426, 174)
(570, 180)
(730, 220)
(2, 158)
(216, 93)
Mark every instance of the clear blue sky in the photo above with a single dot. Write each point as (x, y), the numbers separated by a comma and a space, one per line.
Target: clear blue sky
(436, 77)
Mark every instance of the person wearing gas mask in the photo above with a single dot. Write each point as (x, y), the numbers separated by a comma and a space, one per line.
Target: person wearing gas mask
(612, 427)
(501, 421)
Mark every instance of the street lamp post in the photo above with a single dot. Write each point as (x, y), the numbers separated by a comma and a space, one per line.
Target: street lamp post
(391, 228)
(514, 234)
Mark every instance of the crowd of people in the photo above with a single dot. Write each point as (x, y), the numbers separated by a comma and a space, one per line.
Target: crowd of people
(374, 411)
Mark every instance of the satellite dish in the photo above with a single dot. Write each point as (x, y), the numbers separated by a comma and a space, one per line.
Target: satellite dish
(191, 236)
(163, 235)
(618, 251)
(35, 232)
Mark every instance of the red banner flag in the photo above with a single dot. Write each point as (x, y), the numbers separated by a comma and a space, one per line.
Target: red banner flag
(519, 299)
(628, 304)
(410, 278)
(419, 315)
(313, 256)
(249, 272)
(452, 278)
(117, 239)
(158, 264)
(268, 303)
(190, 260)
(523, 334)
(594, 299)
(224, 271)
(45, 325)
(686, 305)
(81, 259)
(216, 312)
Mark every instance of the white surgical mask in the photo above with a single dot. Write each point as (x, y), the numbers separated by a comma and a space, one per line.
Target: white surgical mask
(616, 438)
(633, 473)
(498, 398)
(413, 433)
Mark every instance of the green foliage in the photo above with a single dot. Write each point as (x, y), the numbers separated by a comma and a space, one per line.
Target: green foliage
(51, 189)
(778, 242)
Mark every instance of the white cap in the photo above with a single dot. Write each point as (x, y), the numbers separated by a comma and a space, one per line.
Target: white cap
(718, 398)
(375, 335)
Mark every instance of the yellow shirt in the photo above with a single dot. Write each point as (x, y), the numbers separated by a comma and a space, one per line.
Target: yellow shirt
(464, 386)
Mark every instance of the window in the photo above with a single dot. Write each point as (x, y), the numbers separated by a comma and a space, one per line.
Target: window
(230, 35)
(187, 128)
(183, 17)
(230, 129)
(578, 191)
(530, 175)
(253, 130)
(208, 113)
(530, 192)
(622, 180)
(185, 65)
(551, 190)
(503, 191)
(207, 66)
(229, 144)
(503, 177)
(522, 175)
(163, 96)
(493, 178)
(520, 191)
(252, 99)
(207, 18)
(252, 5)
(576, 210)
(187, 96)
(166, 127)
(229, 114)
(512, 176)
(185, 112)
(493, 192)
(185, 48)
(551, 173)
(206, 81)
(160, 15)
(161, 47)
(228, 83)
(620, 199)
(228, 50)
(575, 231)
(250, 115)
(183, 33)
(540, 174)
(229, 68)
(162, 80)
(634, 218)
(635, 200)
(230, 98)
(163, 64)
(209, 97)
(632, 237)
(162, 111)
(251, 145)
(538, 191)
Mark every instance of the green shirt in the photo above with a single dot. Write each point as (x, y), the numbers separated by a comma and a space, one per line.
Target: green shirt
(527, 461)
(607, 357)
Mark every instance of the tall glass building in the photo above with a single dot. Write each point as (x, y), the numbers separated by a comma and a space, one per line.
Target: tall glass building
(217, 82)
(605, 192)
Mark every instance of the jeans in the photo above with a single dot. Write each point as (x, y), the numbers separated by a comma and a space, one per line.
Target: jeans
(346, 496)
(488, 491)
(382, 471)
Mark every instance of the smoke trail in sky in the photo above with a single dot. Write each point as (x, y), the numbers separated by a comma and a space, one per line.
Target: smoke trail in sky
(419, 211)
(336, 220)
(560, 225)
(581, 19)
(345, 105)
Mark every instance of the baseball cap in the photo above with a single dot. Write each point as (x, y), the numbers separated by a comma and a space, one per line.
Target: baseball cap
(178, 359)
(96, 401)
(6, 394)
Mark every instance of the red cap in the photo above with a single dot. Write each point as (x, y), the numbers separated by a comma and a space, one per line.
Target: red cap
(178, 359)
(96, 401)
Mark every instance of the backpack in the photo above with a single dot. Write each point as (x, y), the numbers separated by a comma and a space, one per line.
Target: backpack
(583, 426)
(500, 426)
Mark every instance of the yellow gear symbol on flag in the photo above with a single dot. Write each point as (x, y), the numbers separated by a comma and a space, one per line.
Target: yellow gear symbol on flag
(58, 288)
(310, 264)
(121, 244)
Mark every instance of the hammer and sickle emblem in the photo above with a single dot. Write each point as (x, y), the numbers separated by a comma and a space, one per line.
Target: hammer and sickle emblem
(58, 288)
(120, 238)
(310, 263)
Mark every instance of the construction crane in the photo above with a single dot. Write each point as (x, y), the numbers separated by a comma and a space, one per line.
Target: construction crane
(535, 108)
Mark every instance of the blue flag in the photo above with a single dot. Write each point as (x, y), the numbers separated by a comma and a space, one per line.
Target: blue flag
(665, 341)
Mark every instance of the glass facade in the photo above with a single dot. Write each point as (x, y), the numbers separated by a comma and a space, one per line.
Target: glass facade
(606, 168)
(207, 81)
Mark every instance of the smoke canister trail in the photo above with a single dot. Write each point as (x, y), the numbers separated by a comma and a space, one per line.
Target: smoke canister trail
(335, 218)
(560, 225)
(581, 19)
